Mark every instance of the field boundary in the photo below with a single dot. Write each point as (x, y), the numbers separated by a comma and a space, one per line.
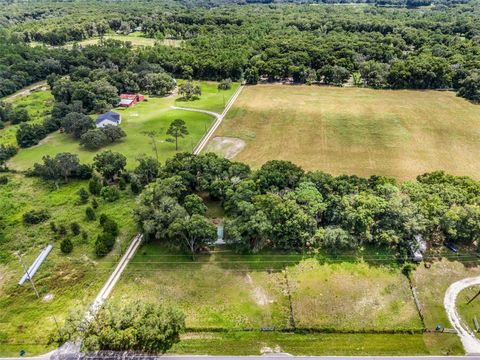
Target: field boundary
(114, 277)
(206, 138)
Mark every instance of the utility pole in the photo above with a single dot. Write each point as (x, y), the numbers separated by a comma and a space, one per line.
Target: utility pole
(56, 324)
(28, 275)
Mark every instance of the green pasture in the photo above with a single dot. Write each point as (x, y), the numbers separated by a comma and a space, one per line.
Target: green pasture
(153, 115)
(63, 281)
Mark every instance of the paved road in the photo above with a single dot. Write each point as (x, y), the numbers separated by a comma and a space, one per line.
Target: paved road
(124, 356)
(114, 277)
(219, 118)
(470, 342)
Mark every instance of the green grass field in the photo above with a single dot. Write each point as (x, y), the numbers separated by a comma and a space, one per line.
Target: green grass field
(469, 311)
(73, 279)
(357, 131)
(228, 291)
(351, 296)
(154, 115)
(432, 283)
(229, 298)
(38, 105)
(136, 38)
(254, 343)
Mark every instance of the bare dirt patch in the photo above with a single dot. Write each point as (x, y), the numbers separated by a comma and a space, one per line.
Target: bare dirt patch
(228, 147)
(260, 297)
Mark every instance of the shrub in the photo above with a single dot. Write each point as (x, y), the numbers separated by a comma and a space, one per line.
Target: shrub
(408, 268)
(2, 125)
(95, 186)
(36, 217)
(75, 228)
(90, 214)
(135, 186)
(111, 227)
(82, 196)
(66, 246)
(84, 236)
(3, 180)
(122, 184)
(62, 230)
(51, 124)
(225, 84)
(110, 193)
(104, 244)
(53, 226)
(94, 203)
(30, 134)
(102, 219)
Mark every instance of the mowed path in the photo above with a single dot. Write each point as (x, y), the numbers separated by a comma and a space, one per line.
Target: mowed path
(357, 131)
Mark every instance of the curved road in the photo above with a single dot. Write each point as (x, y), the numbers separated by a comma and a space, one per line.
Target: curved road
(219, 118)
(470, 342)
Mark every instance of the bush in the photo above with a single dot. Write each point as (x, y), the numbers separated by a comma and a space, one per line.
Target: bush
(225, 84)
(90, 214)
(135, 186)
(95, 186)
(110, 193)
(122, 184)
(84, 236)
(62, 230)
(53, 226)
(102, 219)
(94, 203)
(3, 180)
(82, 196)
(66, 246)
(36, 217)
(51, 124)
(2, 125)
(104, 244)
(75, 228)
(111, 227)
(30, 134)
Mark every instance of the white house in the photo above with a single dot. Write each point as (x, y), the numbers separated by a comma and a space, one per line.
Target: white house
(108, 118)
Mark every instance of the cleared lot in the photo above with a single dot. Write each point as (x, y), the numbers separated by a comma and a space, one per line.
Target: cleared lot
(356, 131)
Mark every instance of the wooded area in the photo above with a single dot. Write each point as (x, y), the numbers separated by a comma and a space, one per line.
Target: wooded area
(378, 46)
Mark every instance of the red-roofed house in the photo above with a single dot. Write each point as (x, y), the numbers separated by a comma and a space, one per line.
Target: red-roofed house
(128, 100)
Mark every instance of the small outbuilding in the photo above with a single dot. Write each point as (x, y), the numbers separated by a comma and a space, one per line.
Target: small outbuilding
(418, 248)
(108, 118)
(128, 100)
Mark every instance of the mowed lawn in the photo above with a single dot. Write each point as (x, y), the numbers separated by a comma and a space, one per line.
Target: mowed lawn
(432, 284)
(64, 282)
(357, 131)
(328, 344)
(154, 115)
(468, 305)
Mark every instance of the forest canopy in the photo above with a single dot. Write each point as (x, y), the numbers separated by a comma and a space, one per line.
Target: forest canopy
(387, 44)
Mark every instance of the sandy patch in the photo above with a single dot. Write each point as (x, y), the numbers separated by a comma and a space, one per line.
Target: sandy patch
(48, 297)
(257, 292)
(229, 147)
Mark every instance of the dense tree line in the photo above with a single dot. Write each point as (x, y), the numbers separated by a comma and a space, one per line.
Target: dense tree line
(388, 47)
(135, 326)
(282, 207)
